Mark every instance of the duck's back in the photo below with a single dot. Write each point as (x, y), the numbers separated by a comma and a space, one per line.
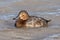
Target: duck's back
(34, 21)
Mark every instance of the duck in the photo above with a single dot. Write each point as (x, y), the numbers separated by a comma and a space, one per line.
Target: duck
(27, 21)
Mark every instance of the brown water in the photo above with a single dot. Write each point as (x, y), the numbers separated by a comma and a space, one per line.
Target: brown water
(49, 9)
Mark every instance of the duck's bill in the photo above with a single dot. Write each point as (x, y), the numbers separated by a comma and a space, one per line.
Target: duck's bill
(14, 18)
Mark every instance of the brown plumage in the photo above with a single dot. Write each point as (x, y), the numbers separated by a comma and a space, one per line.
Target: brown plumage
(24, 20)
(19, 23)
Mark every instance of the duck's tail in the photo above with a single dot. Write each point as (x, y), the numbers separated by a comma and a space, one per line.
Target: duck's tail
(48, 20)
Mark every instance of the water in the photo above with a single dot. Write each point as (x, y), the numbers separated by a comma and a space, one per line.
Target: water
(53, 37)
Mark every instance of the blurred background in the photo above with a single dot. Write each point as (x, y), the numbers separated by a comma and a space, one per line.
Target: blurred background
(13, 6)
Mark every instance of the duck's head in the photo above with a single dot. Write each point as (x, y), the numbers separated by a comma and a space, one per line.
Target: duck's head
(23, 15)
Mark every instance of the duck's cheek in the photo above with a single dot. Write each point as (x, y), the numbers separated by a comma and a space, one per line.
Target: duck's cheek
(21, 17)
(24, 18)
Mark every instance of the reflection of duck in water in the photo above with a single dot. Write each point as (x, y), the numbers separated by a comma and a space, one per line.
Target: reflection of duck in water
(24, 20)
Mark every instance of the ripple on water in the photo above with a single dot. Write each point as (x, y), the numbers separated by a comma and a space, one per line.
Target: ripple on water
(7, 17)
(53, 37)
(49, 13)
(7, 2)
(6, 21)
